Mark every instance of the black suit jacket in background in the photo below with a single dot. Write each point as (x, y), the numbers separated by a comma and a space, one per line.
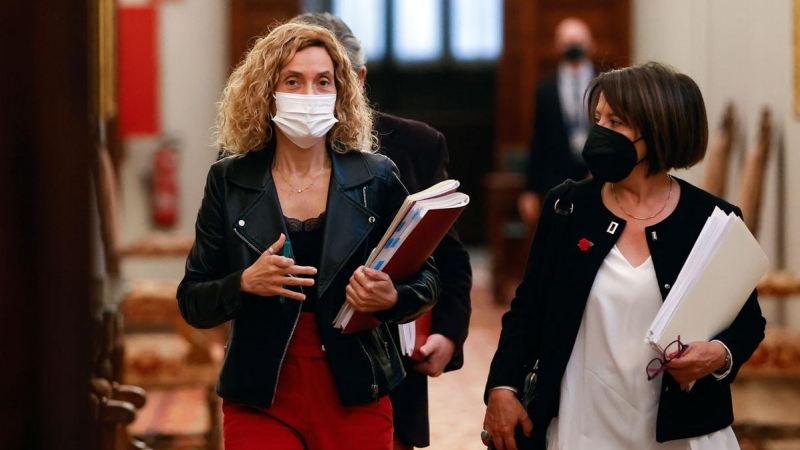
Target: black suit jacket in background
(420, 153)
(550, 161)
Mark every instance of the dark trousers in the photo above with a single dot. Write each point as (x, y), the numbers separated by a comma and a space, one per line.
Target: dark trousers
(410, 404)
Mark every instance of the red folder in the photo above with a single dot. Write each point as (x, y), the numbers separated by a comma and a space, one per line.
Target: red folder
(422, 330)
(402, 253)
(420, 244)
(360, 321)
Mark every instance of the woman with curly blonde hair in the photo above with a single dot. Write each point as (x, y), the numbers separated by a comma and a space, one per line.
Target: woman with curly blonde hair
(286, 223)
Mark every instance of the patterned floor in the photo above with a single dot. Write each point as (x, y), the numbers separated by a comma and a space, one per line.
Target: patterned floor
(456, 398)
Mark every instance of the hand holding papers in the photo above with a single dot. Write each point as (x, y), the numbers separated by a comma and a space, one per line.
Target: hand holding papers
(419, 225)
(716, 280)
(413, 336)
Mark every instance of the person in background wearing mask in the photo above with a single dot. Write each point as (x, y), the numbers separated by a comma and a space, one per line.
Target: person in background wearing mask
(605, 254)
(420, 153)
(294, 118)
(560, 125)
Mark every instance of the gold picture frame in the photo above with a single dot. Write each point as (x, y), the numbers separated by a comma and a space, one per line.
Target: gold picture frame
(796, 24)
(103, 70)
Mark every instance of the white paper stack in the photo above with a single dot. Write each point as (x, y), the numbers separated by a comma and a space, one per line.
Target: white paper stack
(408, 338)
(716, 280)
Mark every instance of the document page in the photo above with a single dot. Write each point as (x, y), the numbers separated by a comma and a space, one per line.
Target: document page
(716, 280)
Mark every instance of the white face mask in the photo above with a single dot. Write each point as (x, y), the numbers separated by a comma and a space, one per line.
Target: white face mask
(304, 119)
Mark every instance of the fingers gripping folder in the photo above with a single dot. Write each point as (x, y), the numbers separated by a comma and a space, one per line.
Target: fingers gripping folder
(419, 225)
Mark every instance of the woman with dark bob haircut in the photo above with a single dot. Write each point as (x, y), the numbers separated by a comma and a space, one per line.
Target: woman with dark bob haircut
(606, 252)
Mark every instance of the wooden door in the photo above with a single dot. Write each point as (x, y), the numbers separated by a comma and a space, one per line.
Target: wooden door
(250, 19)
(44, 225)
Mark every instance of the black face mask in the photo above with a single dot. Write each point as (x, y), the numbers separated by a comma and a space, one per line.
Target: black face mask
(610, 156)
(574, 53)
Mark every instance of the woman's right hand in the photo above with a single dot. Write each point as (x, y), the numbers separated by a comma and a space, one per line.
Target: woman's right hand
(271, 272)
(503, 414)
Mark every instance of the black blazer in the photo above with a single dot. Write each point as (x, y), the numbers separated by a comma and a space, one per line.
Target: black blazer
(420, 153)
(550, 160)
(239, 217)
(421, 156)
(545, 315)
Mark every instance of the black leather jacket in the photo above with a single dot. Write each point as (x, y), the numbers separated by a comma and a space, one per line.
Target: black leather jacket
(240, 216)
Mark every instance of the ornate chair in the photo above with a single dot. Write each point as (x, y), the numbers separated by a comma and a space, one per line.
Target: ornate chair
(509, 237)
(114, 406)
(770, 381)
(152, 347)
(176, 363)
(752, 188)
(717, 158)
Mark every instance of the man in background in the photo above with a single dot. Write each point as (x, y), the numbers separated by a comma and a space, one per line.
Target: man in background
(560, 126)
(420, 153)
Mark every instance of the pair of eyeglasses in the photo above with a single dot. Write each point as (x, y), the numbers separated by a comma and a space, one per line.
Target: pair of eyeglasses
(657, 365)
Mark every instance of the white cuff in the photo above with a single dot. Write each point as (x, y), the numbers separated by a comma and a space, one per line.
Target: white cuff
(508, 388)
(725, 371)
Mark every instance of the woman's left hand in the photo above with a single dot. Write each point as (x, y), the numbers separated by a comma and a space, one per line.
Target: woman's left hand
(370, 290)
(698, 360)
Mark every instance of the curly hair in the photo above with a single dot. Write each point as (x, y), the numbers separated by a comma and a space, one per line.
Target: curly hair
(343, 33)
(244, 113)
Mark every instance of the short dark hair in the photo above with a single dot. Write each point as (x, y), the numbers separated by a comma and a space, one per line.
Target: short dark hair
(342, 32)
(664, 105)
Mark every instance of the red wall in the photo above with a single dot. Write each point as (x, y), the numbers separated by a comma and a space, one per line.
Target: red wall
(138, 72)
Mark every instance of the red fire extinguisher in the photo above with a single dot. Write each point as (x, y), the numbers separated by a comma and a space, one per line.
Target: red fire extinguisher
(165, 186)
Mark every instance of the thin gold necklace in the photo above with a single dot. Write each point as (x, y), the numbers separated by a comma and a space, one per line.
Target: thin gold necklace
(669, 194)
(301, 190)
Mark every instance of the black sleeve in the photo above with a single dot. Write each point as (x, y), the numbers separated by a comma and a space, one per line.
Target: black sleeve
(209, 293)
(452, 313)
(522, 323)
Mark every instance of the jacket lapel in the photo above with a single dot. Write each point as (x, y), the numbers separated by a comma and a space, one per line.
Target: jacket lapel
(593, 233)
(349, 219)
(260, 222)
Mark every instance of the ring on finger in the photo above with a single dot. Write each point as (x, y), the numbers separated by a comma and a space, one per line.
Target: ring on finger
(270, 250)
(486, 438)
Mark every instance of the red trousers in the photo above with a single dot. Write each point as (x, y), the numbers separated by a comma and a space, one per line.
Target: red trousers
(307, 413)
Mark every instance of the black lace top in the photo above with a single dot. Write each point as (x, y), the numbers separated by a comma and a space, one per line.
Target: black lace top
(306, 240)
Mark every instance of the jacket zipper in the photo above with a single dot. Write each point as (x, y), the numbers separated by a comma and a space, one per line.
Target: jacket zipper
(366, 242)
(228, 342)
(283, 356)
(249, 244)
(374, 386)
(385, 342)
(296, 319)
